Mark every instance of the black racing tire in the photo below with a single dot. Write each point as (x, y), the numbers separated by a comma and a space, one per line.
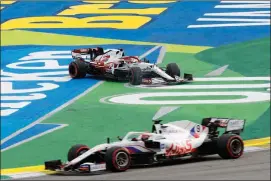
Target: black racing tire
(77, 69)
(173, 70)
(230, 146)
(135, 76)
(76, 151)
(117, 159)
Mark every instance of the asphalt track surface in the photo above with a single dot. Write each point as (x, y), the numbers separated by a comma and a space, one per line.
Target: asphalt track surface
(252, 166)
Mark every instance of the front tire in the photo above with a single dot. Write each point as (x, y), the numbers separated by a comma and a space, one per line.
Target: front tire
(77, 69)
(173, 70)
(230, 146)
(117, 159)
(76, 151)
(135, 76)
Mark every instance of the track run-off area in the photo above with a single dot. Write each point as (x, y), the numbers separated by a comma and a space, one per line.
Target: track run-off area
(224, 44)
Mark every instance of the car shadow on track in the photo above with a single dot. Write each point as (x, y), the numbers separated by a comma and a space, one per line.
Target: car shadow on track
(168, 163)
(102, 78)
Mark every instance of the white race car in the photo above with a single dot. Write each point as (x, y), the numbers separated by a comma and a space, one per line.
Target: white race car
(113, 64)
(173, 140)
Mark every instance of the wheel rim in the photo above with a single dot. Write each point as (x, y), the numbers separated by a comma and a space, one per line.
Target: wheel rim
(122, 159)
(236, 146)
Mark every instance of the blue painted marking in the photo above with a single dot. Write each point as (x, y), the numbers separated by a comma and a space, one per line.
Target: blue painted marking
(31, 132)
(134, 149)
(54, 98)
(168, 27)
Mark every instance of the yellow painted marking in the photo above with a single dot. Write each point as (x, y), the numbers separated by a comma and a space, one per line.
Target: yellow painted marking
(152, 2)
(257, 142)
(105, 9)
(262, 142)
(123, 22)
(6, 2)
(20, 37)
(22, 169)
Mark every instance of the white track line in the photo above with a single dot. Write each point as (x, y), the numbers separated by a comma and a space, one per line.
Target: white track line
(34, 137)
(51, 113)
(254, 149)
(239, 2)
(161, 55)
(26, 175)
(149, 52)
(218, 71)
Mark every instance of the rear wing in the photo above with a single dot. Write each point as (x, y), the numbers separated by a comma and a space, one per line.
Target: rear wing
(231, 125)
(92, 52)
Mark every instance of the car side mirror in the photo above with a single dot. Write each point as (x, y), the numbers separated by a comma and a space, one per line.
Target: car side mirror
(157, 121)
(119, 138)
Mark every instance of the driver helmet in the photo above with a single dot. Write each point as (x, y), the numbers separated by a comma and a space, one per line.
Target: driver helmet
(145, 136)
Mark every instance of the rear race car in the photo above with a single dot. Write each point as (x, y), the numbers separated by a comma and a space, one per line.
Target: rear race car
(165, 142)
(113, 64)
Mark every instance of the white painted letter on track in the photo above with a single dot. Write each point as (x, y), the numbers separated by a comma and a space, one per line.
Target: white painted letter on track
(138, 98)
(48, 64)
(7, 88)
(48, 55)
(40, 76)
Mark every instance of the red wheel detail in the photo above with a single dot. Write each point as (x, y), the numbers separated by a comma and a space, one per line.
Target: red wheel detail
(114, 159)
(80, 149)
(229, 147)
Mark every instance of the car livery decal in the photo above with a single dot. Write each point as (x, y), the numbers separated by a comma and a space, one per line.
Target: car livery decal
(195, 131)
(176, 149)
(138, 149)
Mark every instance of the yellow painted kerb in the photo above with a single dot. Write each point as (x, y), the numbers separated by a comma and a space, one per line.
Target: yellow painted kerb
(257, 142)
(40, 168)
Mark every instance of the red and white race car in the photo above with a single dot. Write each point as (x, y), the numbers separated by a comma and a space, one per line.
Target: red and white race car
(166, 142)
(113, 64)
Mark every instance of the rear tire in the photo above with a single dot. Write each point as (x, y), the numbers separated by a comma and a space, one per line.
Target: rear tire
(77, 69)
(230, 146)
(117, 159)
(135, 76)
(76, 151)
(173, 70)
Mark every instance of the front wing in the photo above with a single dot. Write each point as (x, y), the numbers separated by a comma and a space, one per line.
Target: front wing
(160, 81)
(56, 165)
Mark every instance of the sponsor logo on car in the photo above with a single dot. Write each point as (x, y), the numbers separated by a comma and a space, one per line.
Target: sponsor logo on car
(176, 149)
(235, 125)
